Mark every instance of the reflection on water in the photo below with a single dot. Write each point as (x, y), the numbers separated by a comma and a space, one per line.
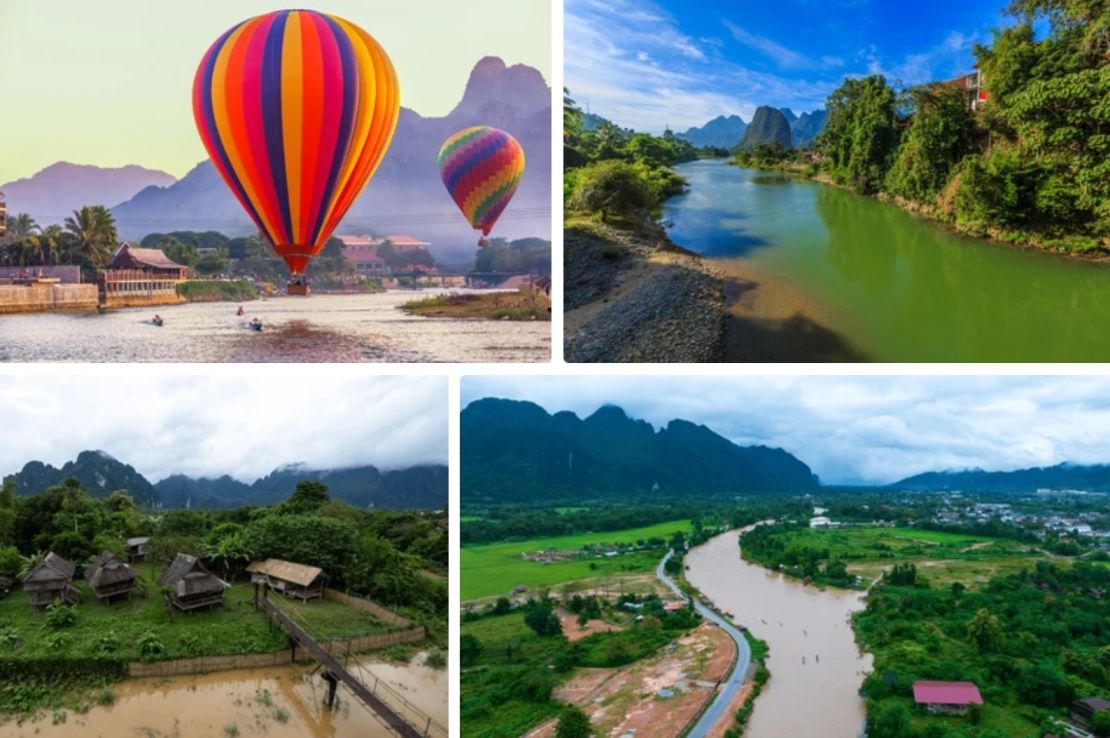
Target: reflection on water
(281, 702)
(345, 328)
(816, 668)
(895, 286)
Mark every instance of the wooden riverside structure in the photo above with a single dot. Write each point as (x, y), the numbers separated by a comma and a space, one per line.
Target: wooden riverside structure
(109, 577)
(296, 581)
(193, 586)
(419, 725)
(51, 580)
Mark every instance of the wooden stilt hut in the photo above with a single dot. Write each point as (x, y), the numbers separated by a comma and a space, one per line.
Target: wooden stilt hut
(193, 585)
(51, 580)
(298, 581)
(109, 577)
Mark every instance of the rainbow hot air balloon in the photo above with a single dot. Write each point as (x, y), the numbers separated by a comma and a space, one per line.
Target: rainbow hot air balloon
(481, 168)
(296, 109)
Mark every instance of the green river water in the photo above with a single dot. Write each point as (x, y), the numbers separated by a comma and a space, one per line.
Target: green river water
(890, 285)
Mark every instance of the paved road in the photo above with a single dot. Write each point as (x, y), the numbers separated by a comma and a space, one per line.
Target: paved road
(731, 686)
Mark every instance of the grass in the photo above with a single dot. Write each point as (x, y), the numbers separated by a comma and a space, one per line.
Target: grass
(523, 305)
(114, 630)
(494, 569)
(211, 290)
(941, 556)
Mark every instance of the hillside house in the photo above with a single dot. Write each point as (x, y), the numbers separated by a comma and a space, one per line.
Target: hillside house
(137, 549)
(948, 698)
(193, 586)
(109, 577)
(297, 581)
(51, 580)
(973, 83)
(1082, 712)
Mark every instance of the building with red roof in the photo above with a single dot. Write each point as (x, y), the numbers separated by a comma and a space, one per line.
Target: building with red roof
(946, 697)
(362, 252)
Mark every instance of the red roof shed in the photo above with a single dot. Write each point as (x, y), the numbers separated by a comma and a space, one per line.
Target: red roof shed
(946, 693)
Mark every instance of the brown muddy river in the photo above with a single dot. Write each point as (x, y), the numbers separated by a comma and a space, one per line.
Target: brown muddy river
(816, 667)
(320, 328)
(282, 702)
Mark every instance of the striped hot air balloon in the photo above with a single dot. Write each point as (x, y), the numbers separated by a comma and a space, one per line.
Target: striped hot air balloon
(296, 109)
(481, 168)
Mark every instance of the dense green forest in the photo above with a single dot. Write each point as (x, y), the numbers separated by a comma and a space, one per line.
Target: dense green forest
(1030, 165)
(1032, 642)
(377, 554)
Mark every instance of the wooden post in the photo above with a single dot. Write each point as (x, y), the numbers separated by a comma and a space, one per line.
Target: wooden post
(332, 681)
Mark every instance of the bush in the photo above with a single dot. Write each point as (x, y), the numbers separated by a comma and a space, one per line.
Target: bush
(60, 616)
(573, 723)
(470, 649)
(542, 619)
(610, 188)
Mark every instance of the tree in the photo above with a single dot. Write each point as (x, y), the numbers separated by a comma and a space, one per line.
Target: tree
(890, 720)
(19, 226)
(212, 262)
(541, 618)
(940, 134)
(502, 606)
(984, 630)
(573, 723)
(1101, 722)
(470, 648)
(309, 496)
(1043, 684)
(860, 135)
(93, 235)
(610, 188)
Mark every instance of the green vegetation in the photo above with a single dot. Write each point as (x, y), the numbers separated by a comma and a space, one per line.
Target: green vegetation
(496, 568)
(87, 239)
(208, 290)
(1031, 641)
(522, 256)
(522, 305)
(856, 556)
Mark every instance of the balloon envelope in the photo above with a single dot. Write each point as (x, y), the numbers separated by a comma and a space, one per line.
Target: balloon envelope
(481, 168)
(296, 109)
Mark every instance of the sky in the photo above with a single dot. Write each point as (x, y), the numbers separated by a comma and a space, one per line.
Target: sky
(238, 425)
(649, 64)
(854, 430)
(109, 82)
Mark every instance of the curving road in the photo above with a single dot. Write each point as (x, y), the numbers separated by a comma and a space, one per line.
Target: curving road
(730, 686)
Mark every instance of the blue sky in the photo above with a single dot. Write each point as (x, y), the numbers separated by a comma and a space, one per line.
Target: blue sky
(646, 64)
(876, 429)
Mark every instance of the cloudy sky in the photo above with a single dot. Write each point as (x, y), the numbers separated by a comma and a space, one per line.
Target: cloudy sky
(647, 64)
(237, 425)
(857, 429)
(109, 83)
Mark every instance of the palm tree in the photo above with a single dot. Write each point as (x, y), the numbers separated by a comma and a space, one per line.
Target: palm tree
(94, 234)
(50, 244)
(20, 225)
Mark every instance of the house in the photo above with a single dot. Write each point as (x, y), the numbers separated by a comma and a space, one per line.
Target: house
(1082, 712)
(951, 698)
(192, 585)
(976, 91)
(150, 261)
(673, 606)
(820, 522)
(298, 581)
(137, 549)
(51, 580)
(362, 252)
(109, 577)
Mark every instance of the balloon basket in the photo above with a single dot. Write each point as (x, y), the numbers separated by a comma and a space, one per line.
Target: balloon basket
(297, 288)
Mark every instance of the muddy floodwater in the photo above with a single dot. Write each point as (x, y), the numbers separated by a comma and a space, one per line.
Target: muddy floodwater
(320, 328)
(816, 667)
(281, 702)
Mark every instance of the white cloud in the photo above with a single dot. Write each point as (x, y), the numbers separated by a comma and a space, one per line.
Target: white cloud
(858, 429)
(209, 426)
(784, 57)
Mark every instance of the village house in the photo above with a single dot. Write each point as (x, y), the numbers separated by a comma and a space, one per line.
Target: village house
(51, 580)
(192, 585)
(949, 698)
(362, 252)
(297, 581)
(109, 577)
(149, 261)
(137, 549)
(1082, 712)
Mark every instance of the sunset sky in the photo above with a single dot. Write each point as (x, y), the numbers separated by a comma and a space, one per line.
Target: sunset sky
(108, 83)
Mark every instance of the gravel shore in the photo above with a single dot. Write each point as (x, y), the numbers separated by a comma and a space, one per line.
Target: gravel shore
(632, 295)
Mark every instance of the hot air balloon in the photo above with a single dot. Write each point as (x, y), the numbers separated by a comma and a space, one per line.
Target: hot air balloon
(296, 109)
(481, 168)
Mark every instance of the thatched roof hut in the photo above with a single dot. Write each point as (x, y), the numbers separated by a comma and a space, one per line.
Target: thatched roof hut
(193, 585)
(51, 580)
(292, 580)
(109, 577)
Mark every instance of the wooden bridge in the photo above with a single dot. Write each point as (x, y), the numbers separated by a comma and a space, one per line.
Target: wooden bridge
(394, 711)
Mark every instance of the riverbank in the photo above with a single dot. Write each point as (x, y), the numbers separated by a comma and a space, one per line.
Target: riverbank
(520, 305)
(632, 295)
(212, 290)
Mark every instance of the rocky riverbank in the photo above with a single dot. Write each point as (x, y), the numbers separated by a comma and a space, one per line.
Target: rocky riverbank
(632, 295)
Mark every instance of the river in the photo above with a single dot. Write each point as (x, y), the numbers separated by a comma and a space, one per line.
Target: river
(320, 328)
(824, 274)
(816, 668)
(278, 702)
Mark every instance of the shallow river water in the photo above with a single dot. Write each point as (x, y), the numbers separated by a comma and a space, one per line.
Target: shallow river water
(816, 667)
(320, 328)
(278, 702)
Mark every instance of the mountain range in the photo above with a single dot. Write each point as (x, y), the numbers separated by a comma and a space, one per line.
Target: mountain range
(100, 474)
(727, 132)
(514, 451)
(723, 132)
(53, 193)
(406, 194)
(1091, 477)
